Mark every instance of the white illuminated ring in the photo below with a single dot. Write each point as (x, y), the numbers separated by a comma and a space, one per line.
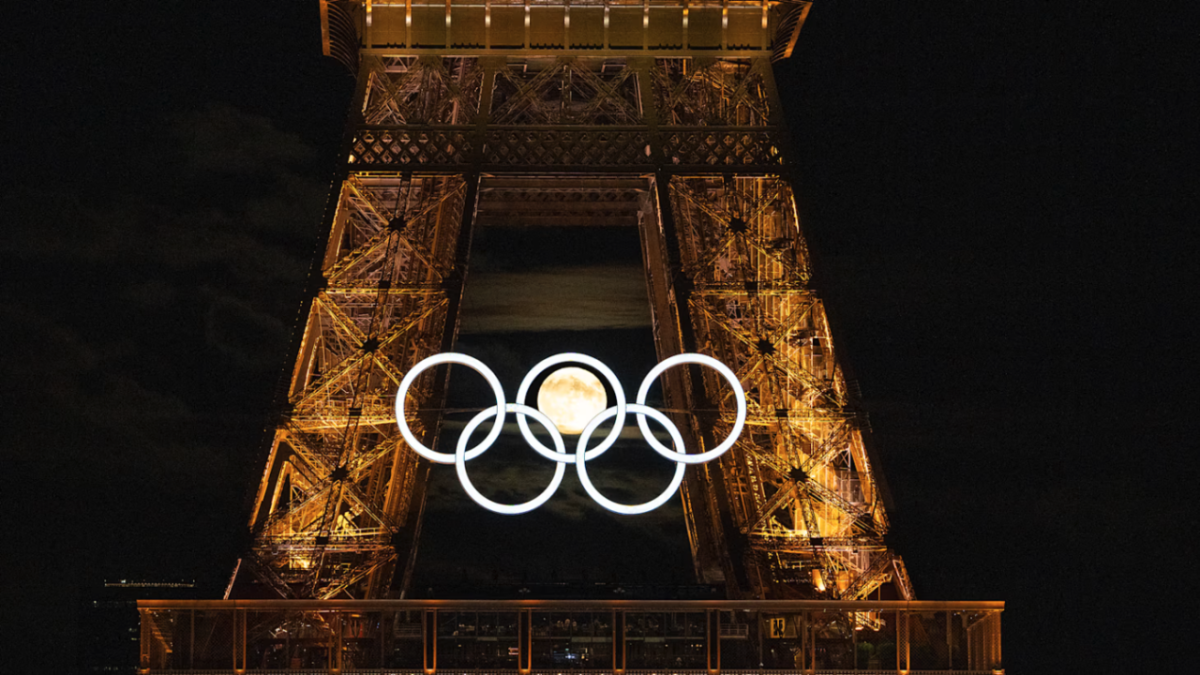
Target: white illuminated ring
(629, 509)
(739, 396)
(435, 360)
(460, 460)
(608, 374)
(558, 454)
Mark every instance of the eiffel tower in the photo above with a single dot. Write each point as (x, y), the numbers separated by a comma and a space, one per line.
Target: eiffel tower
(658, 114)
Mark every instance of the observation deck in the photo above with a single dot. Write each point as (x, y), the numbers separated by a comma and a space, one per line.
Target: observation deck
(717, 28)
(544, 637)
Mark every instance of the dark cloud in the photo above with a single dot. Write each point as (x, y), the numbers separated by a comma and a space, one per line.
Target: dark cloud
(569, 537)
(225, 140)
(148, 295)
(632, 474)
(138, 316)
(595, 297)
(248, 338)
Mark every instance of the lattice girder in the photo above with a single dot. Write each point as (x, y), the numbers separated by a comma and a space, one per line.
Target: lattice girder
(689, 150)
(422, 90)
(566, 90)
(712, 91)
(800, 476)
(344, 488)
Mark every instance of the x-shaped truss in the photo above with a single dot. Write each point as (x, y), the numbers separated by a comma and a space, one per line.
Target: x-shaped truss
(566, 92)
(720, 92)
(343, 481)
(800, 487)
(424, 90)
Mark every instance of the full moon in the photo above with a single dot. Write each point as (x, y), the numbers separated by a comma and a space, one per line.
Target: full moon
(571, 397)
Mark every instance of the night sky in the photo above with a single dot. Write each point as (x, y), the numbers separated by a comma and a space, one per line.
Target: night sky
(993, 196)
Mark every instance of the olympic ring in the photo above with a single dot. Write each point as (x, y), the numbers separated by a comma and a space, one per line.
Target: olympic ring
(729, 376)
(582, 453)
(460, 460)
(402, 392)
(581, 460)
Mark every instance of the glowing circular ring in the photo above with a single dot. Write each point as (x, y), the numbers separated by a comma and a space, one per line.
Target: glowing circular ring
(438, 359)
(559, 455)
(739, 396)
(608, 374)
(581, 461)
(460, 460)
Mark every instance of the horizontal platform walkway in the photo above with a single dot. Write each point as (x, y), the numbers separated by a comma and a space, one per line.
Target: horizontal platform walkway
(528, 637)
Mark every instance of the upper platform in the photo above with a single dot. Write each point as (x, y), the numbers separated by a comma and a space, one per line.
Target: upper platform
(587, 27)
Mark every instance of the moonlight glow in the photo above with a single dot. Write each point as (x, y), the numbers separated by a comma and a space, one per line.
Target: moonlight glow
(571, 397)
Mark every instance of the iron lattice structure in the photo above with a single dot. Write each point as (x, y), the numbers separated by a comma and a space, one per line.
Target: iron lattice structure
(653, 114)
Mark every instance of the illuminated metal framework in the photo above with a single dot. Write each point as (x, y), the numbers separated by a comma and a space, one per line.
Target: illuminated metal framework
(521, 637)
(653, 114)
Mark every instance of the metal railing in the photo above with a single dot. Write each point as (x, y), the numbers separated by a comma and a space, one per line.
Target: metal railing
(568, 637)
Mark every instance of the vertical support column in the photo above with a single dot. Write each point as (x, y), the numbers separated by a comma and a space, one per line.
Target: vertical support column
(567, 24)
(618, 637)
(687, 9)
(242, 635)
(386, 621)
(144, 641)
(429, 641)
(949, 640)
(971, 651)
(366, 38)
(661, 262)
(457, 281)
(902, 646)
(490, 65)
(239, 640)
(812, 640)
(981, 645)
(643, 67)
(724, 24)
(466, 228)
(766, 36)
(233, 640)
(524, 641)
(471, 199)
(724, 542)
(408, 40)
(645, 25)
(527, 20)
(191, 662)
(854, 639)
(778, 126)
(997, 659)
(335, 646)
(803, 629)
(454, 285)
(713, 642)
(606, 12)
(775, 112)
(758, 623)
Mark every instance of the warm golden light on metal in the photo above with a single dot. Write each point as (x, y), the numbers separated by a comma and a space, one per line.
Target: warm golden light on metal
(657, 115)
(498, 637)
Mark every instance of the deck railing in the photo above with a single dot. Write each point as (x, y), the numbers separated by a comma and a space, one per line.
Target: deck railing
(568, 637)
